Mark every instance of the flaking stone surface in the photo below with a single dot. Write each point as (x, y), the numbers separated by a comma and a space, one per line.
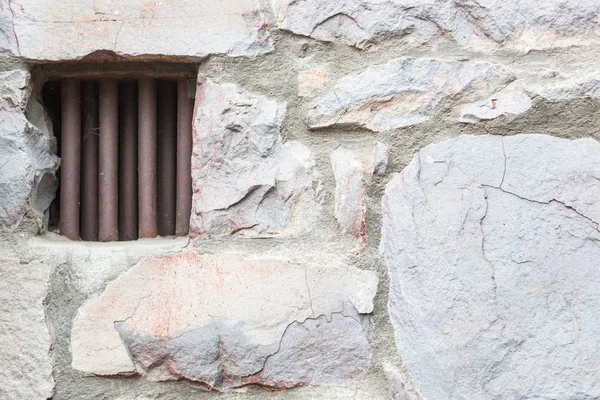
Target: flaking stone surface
(227, 320)
(404, 92)
(245, 180)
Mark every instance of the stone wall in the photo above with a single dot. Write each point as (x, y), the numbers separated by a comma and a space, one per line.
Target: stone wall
(392, 199)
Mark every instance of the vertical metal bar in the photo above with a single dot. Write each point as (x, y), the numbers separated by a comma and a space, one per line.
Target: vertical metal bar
(167, 155)
(128, 220)
(108, 215)
(71, 158)
(185, 110)
(147, 158)
(89, 161)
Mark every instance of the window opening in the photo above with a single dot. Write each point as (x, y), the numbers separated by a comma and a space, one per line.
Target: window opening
(125, 145)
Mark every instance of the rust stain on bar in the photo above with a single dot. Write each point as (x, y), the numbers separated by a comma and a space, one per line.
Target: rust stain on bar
(128, 219)
(108, 161)
(89, 161)
(185, 108)
(167, 156)
(147, 201)
(71, 158)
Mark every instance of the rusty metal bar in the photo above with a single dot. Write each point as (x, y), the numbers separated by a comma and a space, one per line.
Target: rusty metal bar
(71, 158)
(147, 158)
(108, 215)
(185, 110)
(128, 219)
(167, 156)
(89, 161)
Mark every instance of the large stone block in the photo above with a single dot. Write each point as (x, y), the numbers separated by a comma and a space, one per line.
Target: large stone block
(67, 30)
(244, 178)
(404, 92)
(25, 368)
(227, 321)
(492, 246)
(484, 25)
(27, 160)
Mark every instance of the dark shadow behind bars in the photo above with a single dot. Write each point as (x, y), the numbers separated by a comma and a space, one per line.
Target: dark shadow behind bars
(126, 148)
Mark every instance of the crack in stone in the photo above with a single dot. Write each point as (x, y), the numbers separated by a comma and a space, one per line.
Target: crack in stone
(308, 289)
(590, 220)
(13, 24)
(503, 152)
(494, 283)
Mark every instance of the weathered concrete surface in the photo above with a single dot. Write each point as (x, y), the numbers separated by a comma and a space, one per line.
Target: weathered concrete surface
(349, 206)
(27, 160)
(313, 78)
(492, 246)
(226, 321)
(67, 30)
(25, 369)
(483, 25)
(93, 264)
(245, 180)
(396, 388)
(404, 92)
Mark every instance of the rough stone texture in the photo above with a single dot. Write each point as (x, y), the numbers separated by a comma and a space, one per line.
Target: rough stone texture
(482, 25)
(380, 160)
(510, 101)
(27, 162)
(404, 92)
(264, 186)
(574, 87)
(25, 369)
(245, 180)
(226, 320)
(349, 202)
(492, 247)
(66, 30)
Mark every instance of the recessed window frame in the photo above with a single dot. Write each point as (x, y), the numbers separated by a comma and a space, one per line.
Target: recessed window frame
(163, 95)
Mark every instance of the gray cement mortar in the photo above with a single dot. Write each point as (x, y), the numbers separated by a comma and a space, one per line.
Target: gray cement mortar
(275, 75)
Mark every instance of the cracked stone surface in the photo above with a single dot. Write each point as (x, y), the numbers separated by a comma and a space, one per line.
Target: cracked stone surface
(492, 246)
(226, 321)
(27, 161)
(484, 25)
(67, 30)
(245, 180)
(25, 368)
(349, 208)
(404, 92)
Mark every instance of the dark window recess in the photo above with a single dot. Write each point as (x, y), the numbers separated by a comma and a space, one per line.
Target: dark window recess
(126, 149)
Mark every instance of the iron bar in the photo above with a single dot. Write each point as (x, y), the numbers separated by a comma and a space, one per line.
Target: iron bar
(167, 156)
(147, 201)
(128, 219)
(185, 107)
(89, 161)
(71, 158)
(108, 161)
